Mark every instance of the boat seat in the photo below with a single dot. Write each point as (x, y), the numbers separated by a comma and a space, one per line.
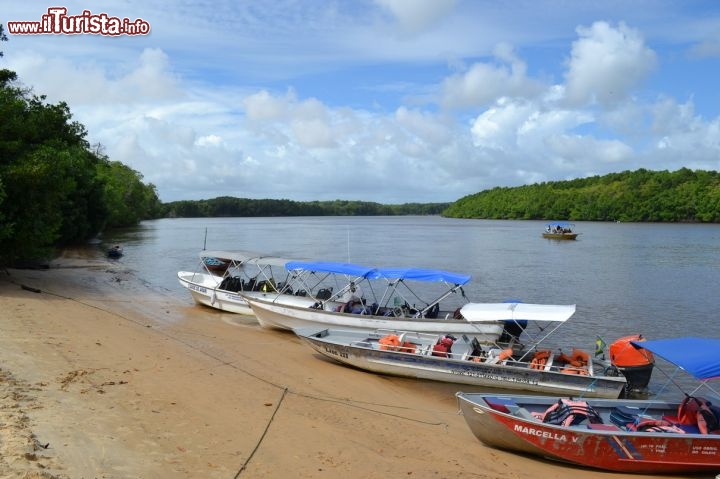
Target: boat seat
(362, 344)
(520, 412)
(460, 351)
(501, 404)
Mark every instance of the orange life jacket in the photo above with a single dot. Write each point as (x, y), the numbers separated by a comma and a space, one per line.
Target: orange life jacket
(391, 342)
(540, 358)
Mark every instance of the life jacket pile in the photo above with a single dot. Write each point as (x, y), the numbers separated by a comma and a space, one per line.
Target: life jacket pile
(577, 363)
(701, 412)
(655, 425)
(567, 412)
(392, 342)
(540, 358)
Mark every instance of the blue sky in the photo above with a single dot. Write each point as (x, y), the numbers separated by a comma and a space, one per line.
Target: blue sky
(391, 101)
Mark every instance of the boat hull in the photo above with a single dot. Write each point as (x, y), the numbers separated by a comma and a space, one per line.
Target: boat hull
(276, 315)
(560, 236)
(362, 351)
(605, 447)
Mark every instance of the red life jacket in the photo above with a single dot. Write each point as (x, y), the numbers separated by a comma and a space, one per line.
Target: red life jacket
(655, 425)
(700, 411)
(443, 346)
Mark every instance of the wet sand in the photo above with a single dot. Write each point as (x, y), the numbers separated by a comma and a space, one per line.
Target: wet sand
(102, 376)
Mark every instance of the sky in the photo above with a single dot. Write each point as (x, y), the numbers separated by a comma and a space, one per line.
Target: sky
(391, 101)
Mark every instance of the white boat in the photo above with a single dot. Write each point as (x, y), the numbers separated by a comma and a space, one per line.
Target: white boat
(392, 310)
(242, 271)
(516, 366)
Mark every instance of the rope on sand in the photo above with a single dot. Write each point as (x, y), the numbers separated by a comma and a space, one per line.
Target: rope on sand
(344, 401)
(257, 446)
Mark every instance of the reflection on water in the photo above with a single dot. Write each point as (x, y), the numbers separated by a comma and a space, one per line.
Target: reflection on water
(660, 280)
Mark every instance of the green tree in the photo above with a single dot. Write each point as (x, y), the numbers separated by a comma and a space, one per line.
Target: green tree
(53, 189)
(641, 195)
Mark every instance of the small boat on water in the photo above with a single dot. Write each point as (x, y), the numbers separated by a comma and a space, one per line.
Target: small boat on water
(649, 436)
(115, 252)
(464, 359)
(560, 231)
(390, 309)
(217, 266)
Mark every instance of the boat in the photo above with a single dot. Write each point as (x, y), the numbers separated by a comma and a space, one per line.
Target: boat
(649, 436)
(517, 365)
(389, 309)
(216, 266)
(560, 231)
(115, 252)
(242, 271)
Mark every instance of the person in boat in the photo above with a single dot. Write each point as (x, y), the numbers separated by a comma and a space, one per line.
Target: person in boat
(351, 298)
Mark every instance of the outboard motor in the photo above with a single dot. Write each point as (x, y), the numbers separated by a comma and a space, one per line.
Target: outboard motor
(635, 364)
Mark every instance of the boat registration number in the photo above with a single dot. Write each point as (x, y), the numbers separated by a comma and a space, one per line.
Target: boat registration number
(335, 352)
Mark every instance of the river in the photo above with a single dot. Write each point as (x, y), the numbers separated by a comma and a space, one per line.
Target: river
(660, 280)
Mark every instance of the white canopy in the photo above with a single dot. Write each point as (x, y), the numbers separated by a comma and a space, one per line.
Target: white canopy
(246, 257)
(238, 256)
(478, 312)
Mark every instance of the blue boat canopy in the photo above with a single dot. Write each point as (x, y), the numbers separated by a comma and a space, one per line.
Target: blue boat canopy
(329, 267)
(698, 356)
(428, 275)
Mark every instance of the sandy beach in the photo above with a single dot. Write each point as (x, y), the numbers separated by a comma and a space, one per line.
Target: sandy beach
(104, 377)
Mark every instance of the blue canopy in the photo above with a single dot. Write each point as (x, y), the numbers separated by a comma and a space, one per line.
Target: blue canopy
(329, 267)
(698, 356)
(420, 275)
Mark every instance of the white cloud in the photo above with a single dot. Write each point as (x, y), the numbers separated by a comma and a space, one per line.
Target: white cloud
(287, 101)
(263, 106)
(498, 127)
(415, 16)
(606, 64)
(148, 79)
(484, 83)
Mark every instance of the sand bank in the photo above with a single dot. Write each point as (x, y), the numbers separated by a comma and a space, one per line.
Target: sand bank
(103, 377)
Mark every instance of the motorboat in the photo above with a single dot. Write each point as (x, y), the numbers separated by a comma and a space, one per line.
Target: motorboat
(560, 231)
(466, 360)
(393, 301)
(522, 363)
(223, 275)
(648, 436)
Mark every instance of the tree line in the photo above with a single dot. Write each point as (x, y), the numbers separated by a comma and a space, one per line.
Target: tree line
(633, 196)
(226, 206)
(55, 189)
